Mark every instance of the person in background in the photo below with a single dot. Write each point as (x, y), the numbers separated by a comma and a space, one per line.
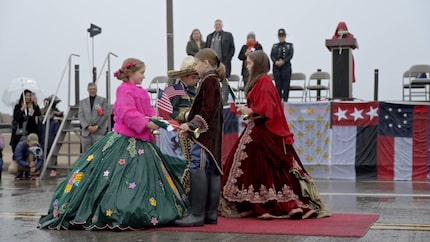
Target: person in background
(2, 145)
(28, 158)
(94, 114)
(122, 182)
(281, 55)
(263, 175)
(182, 94)
(250, 46)
(222, 43)
(195, 43)
(175, 103)
(25, 118)
(54, 109)
(205, 115)
(342, 32)
(55, 115)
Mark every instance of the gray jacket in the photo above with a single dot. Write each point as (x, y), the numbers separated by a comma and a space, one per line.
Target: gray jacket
(88, 117)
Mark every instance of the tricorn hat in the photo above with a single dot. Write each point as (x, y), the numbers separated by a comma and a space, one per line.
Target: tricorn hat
(187, 68)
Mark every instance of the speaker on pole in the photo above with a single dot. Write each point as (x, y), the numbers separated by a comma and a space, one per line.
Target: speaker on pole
(94, 30)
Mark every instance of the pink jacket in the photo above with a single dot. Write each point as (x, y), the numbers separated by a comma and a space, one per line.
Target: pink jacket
(132, 110)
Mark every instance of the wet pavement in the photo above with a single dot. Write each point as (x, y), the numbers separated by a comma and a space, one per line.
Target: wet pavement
(404, 209)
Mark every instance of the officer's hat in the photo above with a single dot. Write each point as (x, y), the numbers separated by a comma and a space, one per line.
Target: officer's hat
(281, 32)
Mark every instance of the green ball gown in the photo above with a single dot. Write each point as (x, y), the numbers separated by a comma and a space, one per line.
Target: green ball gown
(121, 183)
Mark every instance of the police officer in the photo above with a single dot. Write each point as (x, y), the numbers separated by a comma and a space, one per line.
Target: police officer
(281, 55)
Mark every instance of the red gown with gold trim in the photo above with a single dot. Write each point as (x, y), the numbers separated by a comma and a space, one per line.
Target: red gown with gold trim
(263, 173)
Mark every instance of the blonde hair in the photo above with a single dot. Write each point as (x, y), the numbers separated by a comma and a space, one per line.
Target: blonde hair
(129, 66)
(210, 55)
(260, 67)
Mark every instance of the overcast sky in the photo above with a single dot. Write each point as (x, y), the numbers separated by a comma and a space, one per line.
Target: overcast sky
(37, 37)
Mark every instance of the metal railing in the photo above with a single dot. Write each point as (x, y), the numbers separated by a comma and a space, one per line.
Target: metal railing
(5, 127)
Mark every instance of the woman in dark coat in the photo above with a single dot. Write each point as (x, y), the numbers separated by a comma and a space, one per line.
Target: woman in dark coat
(25, 115)
(250, 46)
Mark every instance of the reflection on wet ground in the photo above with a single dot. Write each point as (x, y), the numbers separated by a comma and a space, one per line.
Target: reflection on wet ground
(404, 209)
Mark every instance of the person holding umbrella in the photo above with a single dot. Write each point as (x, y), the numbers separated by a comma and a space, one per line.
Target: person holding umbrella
(25, 115)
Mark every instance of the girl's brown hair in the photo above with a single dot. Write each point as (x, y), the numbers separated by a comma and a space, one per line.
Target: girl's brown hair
(210, 55)
(261, 67)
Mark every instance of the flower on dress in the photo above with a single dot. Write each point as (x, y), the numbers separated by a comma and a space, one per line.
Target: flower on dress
(94, 219)
(78, 178)
(121, 162)
(74, 180)
(132, 185)
(141, 151)
(68, 188)
(154, 221)
(55, 204)
(109, 212)
(90, 158)
(62, 209)
(106, 173)
(153, 202)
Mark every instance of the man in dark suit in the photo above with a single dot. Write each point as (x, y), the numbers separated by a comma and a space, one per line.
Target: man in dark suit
(93, 116)
(223, 44)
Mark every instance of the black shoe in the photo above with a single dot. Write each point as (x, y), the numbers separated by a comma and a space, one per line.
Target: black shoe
(191, 220)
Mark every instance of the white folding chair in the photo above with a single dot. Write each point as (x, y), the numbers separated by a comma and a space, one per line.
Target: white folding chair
(158, 82)
(415, 83)
(318, 82)
(298, 85)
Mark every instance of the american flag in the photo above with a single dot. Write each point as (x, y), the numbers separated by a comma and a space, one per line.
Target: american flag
(164, 106)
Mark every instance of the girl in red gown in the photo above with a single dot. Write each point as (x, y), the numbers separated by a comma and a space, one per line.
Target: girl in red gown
(263, 175)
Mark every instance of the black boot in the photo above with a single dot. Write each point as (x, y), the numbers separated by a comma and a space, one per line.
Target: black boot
(198, 193)
(211, 216)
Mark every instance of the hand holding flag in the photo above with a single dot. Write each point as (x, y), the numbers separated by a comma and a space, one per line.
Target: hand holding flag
(172, 125)
(169, 125)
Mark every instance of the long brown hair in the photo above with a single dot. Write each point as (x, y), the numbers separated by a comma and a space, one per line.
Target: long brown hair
(260, 67)
(210, 55)
(196, 30)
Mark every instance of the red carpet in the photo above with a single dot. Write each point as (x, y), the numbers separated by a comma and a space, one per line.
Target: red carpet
(338, 225)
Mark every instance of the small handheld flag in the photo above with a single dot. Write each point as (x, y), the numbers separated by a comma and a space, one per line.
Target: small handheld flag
(169, 125)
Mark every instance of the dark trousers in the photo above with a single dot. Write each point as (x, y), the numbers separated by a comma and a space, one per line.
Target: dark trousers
(282, 78)
(227, 64)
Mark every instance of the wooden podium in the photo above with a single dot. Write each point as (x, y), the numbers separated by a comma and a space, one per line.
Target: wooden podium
(342, 62)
